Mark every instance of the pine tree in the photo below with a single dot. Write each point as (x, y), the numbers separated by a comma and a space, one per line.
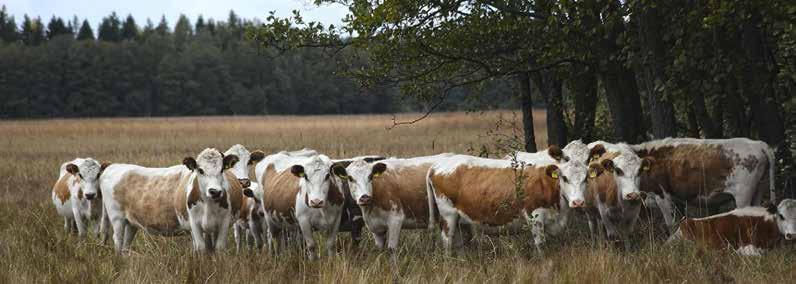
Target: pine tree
(32, 31)
(129, 28)
(110, 29)
(57, 27)
(85, 33)
(8, 27)
(200, 24)
(182, 32)
(163, 26)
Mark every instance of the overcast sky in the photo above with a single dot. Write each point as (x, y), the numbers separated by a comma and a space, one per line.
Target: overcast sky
(95, 10)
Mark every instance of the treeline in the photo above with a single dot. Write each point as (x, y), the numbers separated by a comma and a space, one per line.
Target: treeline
(204, 68)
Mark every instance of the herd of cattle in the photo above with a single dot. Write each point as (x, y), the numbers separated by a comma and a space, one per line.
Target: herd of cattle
(211, 193)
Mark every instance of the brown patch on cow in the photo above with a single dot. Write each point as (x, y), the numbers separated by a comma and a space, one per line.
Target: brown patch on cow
(153, 201)
(279, 192)
(335, 194)
(490, 195)
(61, 188)
(245, 212)
(602, 186)
(686, 171)
(555, 152)
(732, 230)
(403, 188)
(596, 152)
(234, 193)
(195, 196)
(256, 156)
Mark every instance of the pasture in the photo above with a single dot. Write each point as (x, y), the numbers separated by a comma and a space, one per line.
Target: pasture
(34, 248)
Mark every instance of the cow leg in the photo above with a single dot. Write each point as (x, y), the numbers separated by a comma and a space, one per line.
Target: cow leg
(199, 244)
(236, 233)
(67, 224)
(220, 240)
(81, 227)
(449, 224)
(536, 221)
(393, 236)
(129, 235)
(118, 234)
(306, 234)
(667, 210)
(105, 226)
(256, 231)
(380, 239)
(331, 237)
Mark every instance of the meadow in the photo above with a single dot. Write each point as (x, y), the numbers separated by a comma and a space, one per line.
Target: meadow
(34, 247)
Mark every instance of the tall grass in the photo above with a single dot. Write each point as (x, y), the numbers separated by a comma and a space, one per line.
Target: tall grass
(34, 248)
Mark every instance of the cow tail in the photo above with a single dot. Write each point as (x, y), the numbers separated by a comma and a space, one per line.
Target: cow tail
(432, 201)
(772, 172)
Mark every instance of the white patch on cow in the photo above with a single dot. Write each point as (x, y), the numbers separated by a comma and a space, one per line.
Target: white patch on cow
(448, 165)
(750, 250)
(743, 212)
(577, 151)
(629, 163)
(241, 168)
(786, 219)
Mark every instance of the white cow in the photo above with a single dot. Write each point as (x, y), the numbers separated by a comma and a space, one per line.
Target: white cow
(199, 196)
(301, 191)
(74, 195)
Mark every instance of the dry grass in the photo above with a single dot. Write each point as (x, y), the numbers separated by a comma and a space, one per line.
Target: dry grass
(33, 247)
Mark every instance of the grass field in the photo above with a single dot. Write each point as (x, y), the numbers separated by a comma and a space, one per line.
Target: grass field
(34, 248)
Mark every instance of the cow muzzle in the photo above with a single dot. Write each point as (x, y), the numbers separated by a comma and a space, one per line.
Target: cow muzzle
(632, 196)
(364, 200)
(577, 203)
(90, 196)
(790, 237)
(245, 182)
(317, 203)
(214, 193)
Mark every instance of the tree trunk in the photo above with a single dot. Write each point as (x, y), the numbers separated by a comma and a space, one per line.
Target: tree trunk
(526, 100)
(693, 126)
(735, 113)
(653, 54)
(584, 87)
(701, 116)
(550, 86)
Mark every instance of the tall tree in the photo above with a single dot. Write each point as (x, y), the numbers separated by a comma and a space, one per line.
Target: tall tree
(56, 27)
(85, 33)
(182, 32)
(200, 24)
(110, 29)
(32, 31)
(163, 26)
(8, 27)
(129, 28)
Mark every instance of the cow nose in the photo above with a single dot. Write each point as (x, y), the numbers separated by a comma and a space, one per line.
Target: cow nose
(364, 200)
(214, 193)
(632, 196)
(790, 237)
(577, 203)
(245, 182)
(316, 203)
(90, 196)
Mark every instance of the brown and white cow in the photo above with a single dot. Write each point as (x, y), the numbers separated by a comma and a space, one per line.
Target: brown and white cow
(706, 172)
(300, 192)
(199, 196)
(74, 195)
(392, 194)
(352, 220)
(748, 230)
(613, 198)
(491, 193)
(250, 222)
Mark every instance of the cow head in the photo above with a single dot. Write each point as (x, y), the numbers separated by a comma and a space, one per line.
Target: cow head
(315, 179)
(87, 172)
(255, 192)
(246, 158)
(577, 151)
(572, 181)
(208, 168)
(360, 175)
(625, 169)
(786, 218)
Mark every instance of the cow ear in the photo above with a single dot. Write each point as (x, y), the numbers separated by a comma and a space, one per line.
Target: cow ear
(595, 170)
(771, 207)
(297, 170)
(256, 156)
(104, 165)
(596, 152)
(646, 164)
(555, 152)
(230, 160)
(189, 163)
(552, 171)
(339, 171)
(248, 192)
(378, 169)
(72, 169)
(373, 159)
(608, 165)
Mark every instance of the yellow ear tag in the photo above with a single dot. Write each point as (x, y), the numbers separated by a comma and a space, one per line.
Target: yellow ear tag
(554, 175)
(595, 157)
(376, 174)
(592, 174)
(301, 174)
(645, 168)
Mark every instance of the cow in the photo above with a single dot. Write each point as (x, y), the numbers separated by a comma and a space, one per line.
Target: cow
(301, 191)
(249, 224)
(613, 197)
(352, 221)
(707, 172)
(570, 161)
(748, 230)
(75, 195)
(200, 196)
(490, 192)
(392, 195)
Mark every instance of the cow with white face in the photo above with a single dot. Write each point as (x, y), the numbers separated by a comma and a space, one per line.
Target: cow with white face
(572, 183)
(748, 230)
(392, 194)
(249, 224)
(352, 220)
(300, 191)
(613, 197)
(75, 194)
(199, 196)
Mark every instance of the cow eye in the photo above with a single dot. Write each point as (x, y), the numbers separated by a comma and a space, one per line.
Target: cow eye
(619, 172)
(327, 177)
(780, 216)
(565, 179)
(80, 175)
(201, 171)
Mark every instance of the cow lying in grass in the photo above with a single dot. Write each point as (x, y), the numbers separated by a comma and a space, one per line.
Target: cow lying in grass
(748, 230)
(199, 196)
(75, 195)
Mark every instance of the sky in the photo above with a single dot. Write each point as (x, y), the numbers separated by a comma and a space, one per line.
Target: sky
(95, 10)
